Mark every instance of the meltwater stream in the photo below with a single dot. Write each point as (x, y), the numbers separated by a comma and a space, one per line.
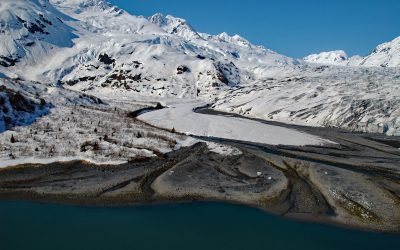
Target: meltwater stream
(26, 225)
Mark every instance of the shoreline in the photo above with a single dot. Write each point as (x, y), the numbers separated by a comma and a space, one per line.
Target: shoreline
(332, 184)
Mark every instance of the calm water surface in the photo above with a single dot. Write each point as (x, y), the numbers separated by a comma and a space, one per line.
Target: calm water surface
(25, 225)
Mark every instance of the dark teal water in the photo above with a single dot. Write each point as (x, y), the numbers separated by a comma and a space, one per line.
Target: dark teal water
(205, 226)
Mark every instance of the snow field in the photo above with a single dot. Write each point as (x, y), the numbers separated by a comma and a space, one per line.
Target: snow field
(182, 118)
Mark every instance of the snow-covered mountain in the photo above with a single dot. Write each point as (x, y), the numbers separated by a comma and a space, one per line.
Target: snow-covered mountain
(113, 49)
(337, 57)
(384, 55)
(94, 47)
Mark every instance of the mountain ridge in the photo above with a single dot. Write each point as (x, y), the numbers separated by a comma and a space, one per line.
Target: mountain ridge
(384, 55)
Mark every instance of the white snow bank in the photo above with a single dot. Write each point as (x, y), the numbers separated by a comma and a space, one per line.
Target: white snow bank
(214, 147)
(182, 118)
(33, 160)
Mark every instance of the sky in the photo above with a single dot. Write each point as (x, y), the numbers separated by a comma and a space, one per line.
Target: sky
(294, 28)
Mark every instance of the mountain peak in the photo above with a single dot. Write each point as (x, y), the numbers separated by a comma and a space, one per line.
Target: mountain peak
(159, 19)
(175, 26)
(235, 39)
(337, 57)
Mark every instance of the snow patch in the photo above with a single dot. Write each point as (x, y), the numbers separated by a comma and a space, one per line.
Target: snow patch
(223, 149)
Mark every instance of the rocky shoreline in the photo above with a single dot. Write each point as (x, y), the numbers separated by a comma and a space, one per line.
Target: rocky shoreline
(355, 183)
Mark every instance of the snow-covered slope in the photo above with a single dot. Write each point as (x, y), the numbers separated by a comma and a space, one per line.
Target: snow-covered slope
(94, 47)
(384, 55)
(30, 31)
(17, 109)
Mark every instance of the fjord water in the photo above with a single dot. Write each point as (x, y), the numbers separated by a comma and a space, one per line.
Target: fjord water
(25, 225)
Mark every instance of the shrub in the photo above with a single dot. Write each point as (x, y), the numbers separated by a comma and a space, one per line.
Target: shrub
(12, 156)
(83, 147)
(12, 140)
(95, 146)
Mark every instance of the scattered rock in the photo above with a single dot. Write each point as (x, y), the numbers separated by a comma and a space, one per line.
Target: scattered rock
(182, 69)
(106, 59)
